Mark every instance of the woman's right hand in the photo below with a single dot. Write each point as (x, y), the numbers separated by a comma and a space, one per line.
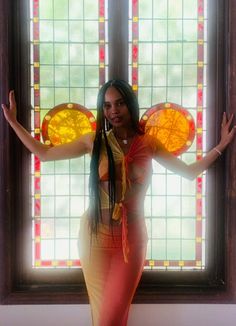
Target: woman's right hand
(10, 112)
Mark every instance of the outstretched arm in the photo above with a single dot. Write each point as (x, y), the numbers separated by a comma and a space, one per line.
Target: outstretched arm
(44, 152)
(191, 171)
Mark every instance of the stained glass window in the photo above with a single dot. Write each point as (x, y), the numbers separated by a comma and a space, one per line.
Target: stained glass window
(68, 65)
(167, 64)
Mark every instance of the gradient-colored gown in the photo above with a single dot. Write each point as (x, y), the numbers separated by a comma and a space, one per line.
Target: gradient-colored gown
(113, 259)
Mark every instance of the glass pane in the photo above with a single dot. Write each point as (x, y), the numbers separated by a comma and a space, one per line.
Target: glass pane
(69, 63)
(167, 64)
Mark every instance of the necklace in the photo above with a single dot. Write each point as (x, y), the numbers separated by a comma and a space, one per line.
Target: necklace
(124, 141)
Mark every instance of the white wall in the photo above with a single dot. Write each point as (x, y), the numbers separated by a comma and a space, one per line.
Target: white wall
(140, 315)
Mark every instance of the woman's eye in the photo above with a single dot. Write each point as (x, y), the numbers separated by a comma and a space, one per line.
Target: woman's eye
(121, 103)
(106, 106)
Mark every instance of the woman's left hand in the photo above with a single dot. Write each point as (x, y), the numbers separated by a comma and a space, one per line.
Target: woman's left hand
(227, 133)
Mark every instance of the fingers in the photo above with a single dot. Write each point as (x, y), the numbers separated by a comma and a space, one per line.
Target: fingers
(12, 98)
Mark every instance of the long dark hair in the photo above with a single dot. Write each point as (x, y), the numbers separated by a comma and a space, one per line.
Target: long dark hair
(102, 127)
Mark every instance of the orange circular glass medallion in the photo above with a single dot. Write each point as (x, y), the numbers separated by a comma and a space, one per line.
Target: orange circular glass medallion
(67, 122)
(171, 124)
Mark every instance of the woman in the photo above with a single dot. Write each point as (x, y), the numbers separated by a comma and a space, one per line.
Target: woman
(113, 237)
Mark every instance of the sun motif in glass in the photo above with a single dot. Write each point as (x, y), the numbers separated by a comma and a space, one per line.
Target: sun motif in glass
(171, 124)
(67, 122)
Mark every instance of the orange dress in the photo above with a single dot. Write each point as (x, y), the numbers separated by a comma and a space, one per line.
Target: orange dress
(113, 259)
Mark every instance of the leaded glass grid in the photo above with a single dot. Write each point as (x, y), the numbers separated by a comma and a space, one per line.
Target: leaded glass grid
(68, 65)
(167, 63)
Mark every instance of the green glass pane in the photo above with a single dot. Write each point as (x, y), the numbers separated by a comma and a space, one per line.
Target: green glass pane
(76, 9)
(189, 75)
(61, 9)
(188, 228)
(158, 95)
(62, 95)
(91, 97)
(189, 157)
(91, 76)
(62, 206)
(159, 249)
(147, 206)
(145, 9)
(76, 54)
(87, 164)
(62, 184)
(160, 31)
(190, 53)
(74, 253)
(77, 206)
(190, 30)
(47, 249)
(91, 31)
(148, 222)
(158, 168)
(46, 76)
(47, 185)
(173, 228)
(47, 228)
(173, 206)
(145, 75)
(62, 249)
(76, 76)
(46, 9)
(158, 184)
(62, 166)
(173, 249)
(91, 54)
(46, 54)
(188, 187)
(145, 53)
(175, 53)
(145, 30)
(62, 229)
(175, 8)
(149, 248)
(144, 96)
(91, 9)
(76, 31)
(190, 8)
(61, 54)
(174, 94)
(174, 75)
(159, 75)
(61, 31)
(189, 97)
(77, 165)
(46, 97)
(77, 184)
(175, 28)
(74, 227)
(160, 9)
(158, 206)
(77, 95)
(61, 76)
(47, 206)
(188, 250)
(159, 53)
(159, 228)
(46, 31)
(47, 167)
(188, 206)
(173, 184)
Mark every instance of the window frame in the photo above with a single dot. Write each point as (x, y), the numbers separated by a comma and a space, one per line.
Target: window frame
(17, 284)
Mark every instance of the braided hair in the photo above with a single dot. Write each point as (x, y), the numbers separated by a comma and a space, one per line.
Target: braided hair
(102, 127)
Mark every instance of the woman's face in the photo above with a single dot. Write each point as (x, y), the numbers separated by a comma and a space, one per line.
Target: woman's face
(115, 109)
